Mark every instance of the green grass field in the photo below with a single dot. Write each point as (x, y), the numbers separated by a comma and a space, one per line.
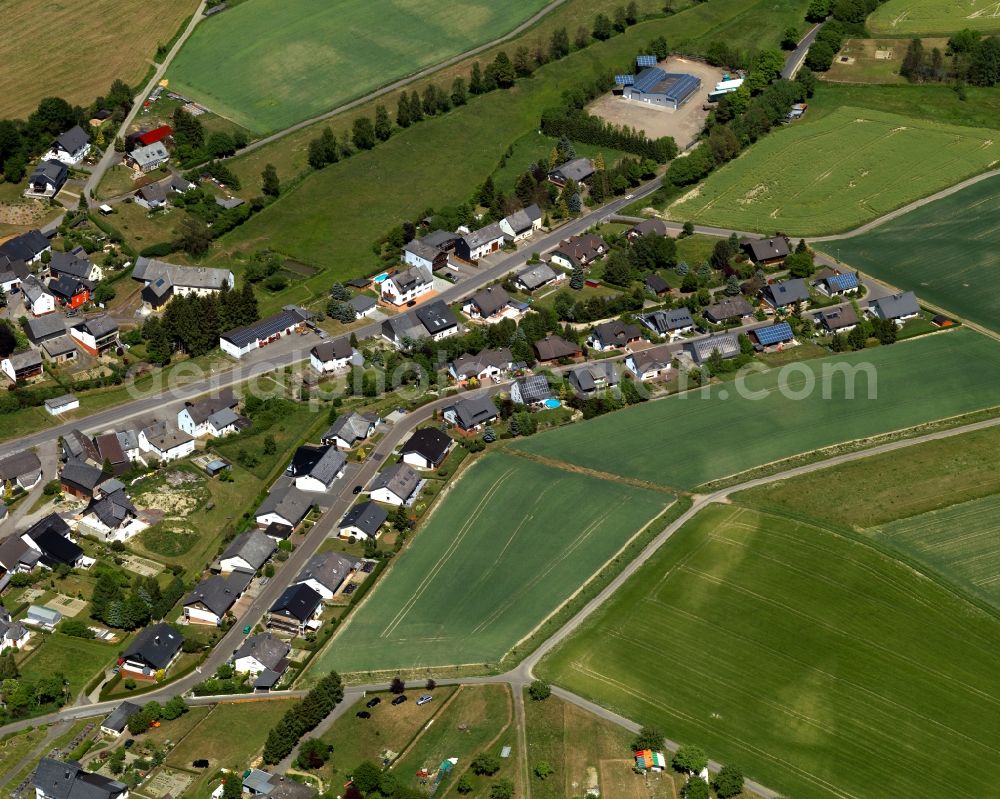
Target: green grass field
(947, 251)
(701, 436)
(282, 67)
(534, 146)
(822, 667)
(907, 17)
(478, 577)
(962, 542)
(78, 659)
(834, 172)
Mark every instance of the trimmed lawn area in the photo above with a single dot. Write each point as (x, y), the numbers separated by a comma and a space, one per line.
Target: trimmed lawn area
(283, 68)
(289, 424)
(947, 251)
(477, 578)
(814, 651)
(574, 742)
(230, 736)
(98, 41)
(869, 63)
(535, 146)
(78, 659)
(906, 17)
(893, 485)
(834, 172)
(708, 434)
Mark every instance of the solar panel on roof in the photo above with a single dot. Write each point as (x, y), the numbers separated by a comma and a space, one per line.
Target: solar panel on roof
(624, 80)
(774, 334)
(645, 60)
(683, 88)
(648, 78)
(844, 282)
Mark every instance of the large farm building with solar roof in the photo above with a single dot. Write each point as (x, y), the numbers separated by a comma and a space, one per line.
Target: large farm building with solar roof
(656, 86)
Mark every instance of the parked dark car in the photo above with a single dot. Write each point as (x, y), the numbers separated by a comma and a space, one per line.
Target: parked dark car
(130, 743)
(357, 490)
(363, 714)
(399, 699)
(373, 701)
(200, 763)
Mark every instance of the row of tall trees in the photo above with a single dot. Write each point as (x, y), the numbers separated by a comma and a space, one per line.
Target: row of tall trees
(579, 126)
(193, 324)
(303, 717)
(969, 58)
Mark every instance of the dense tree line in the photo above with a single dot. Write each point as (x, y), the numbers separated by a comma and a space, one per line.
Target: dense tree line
(23, 140)
(193, 324)
(824, 49)
(579, 126)
(129, 604)
(193, 146)
(26, 695)
(303, 717)
(969, 58)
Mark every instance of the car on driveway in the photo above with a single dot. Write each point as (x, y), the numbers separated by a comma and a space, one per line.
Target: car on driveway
(423, 700)
(373, 701)
(399, 699)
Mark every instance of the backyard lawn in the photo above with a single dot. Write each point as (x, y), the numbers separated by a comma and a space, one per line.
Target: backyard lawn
(708, 434)
(478, 577)
(831, 173)
(78, 659)
(797, 653)
(947, 251)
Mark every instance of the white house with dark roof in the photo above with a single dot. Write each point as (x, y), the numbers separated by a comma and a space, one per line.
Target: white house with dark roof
(426, 448)
(363, 305)
(75, 264)
(433, 320)
(537, 276)
(181, 281)
(205, 417)
(726, 344)
(116, 722)
(471, 413)
(650, 363)
(590, 378)
(490, 304)
(247, 552)
(152, 650)
(487, 364)
(21, 469)
(350, 429)
(57, 779)
(397, 485)
(897, 307)
(407, 285)
(530, 390)
(37, 298)
(363, 521)
(332, 356)
(27, 247)
(613, 335)
(296, 610)
(241, 341)
(325, 572)
(786, 293)
(316, 468)
(579, 169)
(214, 597)
(25, 365)
(672, 322)
(519, 225)
(69, 148)
(285, 505)
(46, 180)
(261, 652)
(480, 243)
(13, 634)
(95, 335)
(165, 442)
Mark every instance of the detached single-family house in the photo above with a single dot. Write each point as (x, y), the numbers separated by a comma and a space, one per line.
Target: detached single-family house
(407, 286)
(426, 448)
(13, 634)
(151, 196)
(286, 505)
(22, 469)
(487, 364)
(50, 537)
(27, 247)
(148, 157)
(613, 335)
(766, 252)
(726, 344)
(555, 348)
(579, 251)
(897, 308)
(420, 254)
(75, 264)
(437, 320)
(324, 573)
(731, 309)
(69, 148)
(772, 337)
(537, 276)
(480, 243)
(471, 413)
(24, 366)
(180, 184)
(214, 597)
(591, 378)
(151, 651)
(521, 224)
(396, 485)
(351, 429)
(181, 280)
(531, 390)
(297, 609)
(335, 355)
(261, 652)
(671, 323)
(58, 779)
(202, 418)
(841, 319)
(834, 284)
(487, 305)
(316, 468)
(95, 336)
(16, 557)
(786, 293)
(115, 723)
(11, 275)
(656, 285)
(363, 305)
(363, 521)
(241, 341)
(37, 298)
(579, 169)
(70, 292)
(113, 517)
(647, 227)
(164, 442)
(47, 180)
(247, 552)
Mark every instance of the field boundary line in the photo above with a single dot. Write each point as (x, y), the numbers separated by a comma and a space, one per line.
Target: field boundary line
(420, 733)
(566, 466)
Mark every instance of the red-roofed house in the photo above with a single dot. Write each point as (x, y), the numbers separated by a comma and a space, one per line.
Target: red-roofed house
(155, 135)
